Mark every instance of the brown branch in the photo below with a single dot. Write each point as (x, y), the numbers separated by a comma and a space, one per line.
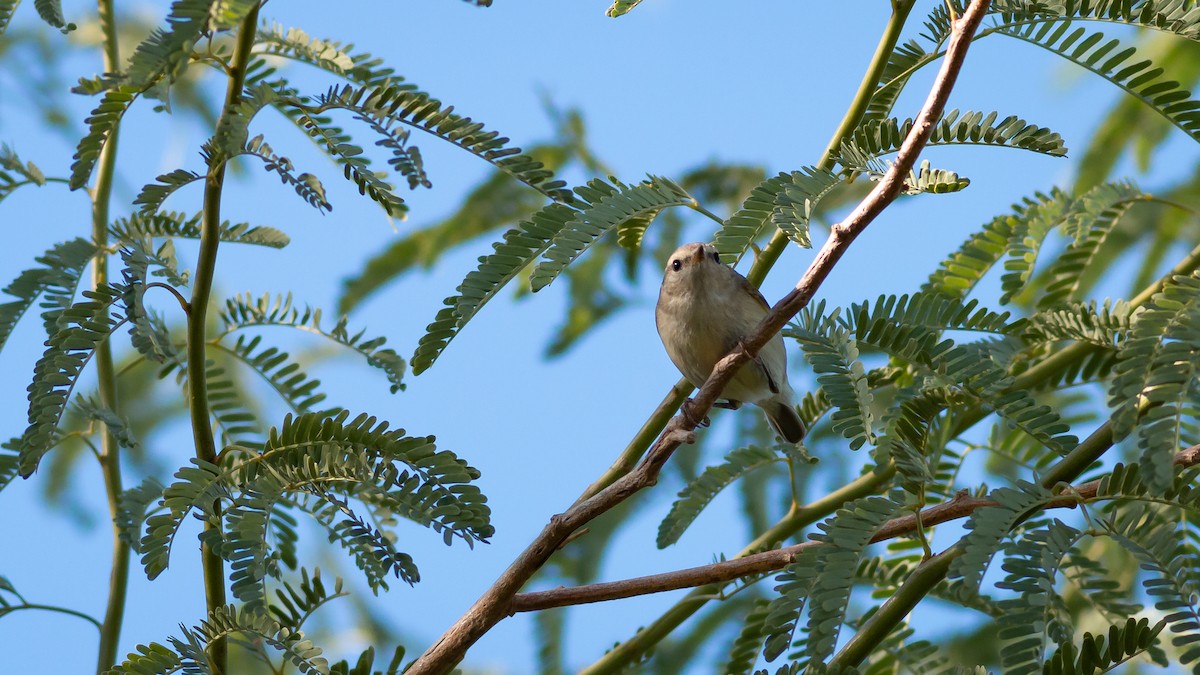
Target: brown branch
(493, 605)
(961, 506)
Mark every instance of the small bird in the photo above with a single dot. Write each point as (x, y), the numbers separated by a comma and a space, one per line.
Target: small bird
(704, 309)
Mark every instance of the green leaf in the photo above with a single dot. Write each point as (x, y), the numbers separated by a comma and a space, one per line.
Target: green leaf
(883, 136)
(152, 658)
(961, 272)
(356, 167)
(68, 350)
(1157, 544)
(796, 203)
(1037, 611)
(905, 60)
(15, 173)
(331, 56)
(497, 202)
(132, 506)
(833, 355)
(90, 407)
(7, 8)
(305, 184)
(295, 603)
(102, 122)
(175, 225)
(392, 104)
(1101, 653)
(188, 653)
(749, 222)
(56, 279)
(608, 206)
(1168, 16)
(1089, 223)
(1139, 78)
(10, 460)
(52, 13)
(165, 53)
(1156, 367)
(621, 7)
(148, 332)
(832, 567)
(153, 195)
(520, 247)
(744, 651)
(246, 311)
(282, 373)
(698, 493)
(935, 181)
(1107, 325)
(987, 526)
(1086, 218)
(317, 459)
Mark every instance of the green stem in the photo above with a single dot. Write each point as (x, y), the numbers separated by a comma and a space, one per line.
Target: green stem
(202, 432)
(646, 638)
(645, 436)
(862, 98)
(110, 454)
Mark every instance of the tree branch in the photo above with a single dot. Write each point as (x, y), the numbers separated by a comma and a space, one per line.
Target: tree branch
(106, 376)
(206, 263)
(490, 608)
(961, 506)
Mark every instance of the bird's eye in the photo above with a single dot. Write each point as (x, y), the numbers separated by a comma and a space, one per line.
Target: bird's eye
(716, 257)
(676, 265)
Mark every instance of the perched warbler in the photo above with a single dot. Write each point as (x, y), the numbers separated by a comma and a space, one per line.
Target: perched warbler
(704, 309)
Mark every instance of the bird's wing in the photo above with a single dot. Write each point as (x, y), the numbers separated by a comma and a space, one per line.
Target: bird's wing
(750, 290)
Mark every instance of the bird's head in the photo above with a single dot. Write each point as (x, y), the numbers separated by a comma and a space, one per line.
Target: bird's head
(690, 264)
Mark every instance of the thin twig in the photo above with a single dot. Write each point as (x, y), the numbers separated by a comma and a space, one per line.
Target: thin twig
(187, 307)
(961, 506)
(492, 606)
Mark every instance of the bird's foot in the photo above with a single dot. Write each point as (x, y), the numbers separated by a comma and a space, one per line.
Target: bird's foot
(728, 404)
(686, 410)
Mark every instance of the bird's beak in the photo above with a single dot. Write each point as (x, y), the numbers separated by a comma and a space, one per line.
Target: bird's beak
(699, 255)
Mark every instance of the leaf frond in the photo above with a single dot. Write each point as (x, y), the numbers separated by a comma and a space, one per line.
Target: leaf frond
(607, 206)
(332, 56)
(246, 311)
(1155, 367)
(878, 137)
(698, 493)
(392, 104)
(55, 279)
(101, 123)
(79, 330)
(749, 222)
(175, 225)
(311, 455)
(1117, 64)
(1105, 651)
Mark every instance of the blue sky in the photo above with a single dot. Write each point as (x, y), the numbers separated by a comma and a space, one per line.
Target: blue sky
(663, 89)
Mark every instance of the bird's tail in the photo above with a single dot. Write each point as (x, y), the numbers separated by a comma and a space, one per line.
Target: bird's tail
(784, 419)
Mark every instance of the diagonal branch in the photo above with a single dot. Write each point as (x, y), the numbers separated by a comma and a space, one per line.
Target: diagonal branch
(961, 506)
(493, 605)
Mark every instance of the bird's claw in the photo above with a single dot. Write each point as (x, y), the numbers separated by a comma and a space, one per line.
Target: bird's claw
(686, 410)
